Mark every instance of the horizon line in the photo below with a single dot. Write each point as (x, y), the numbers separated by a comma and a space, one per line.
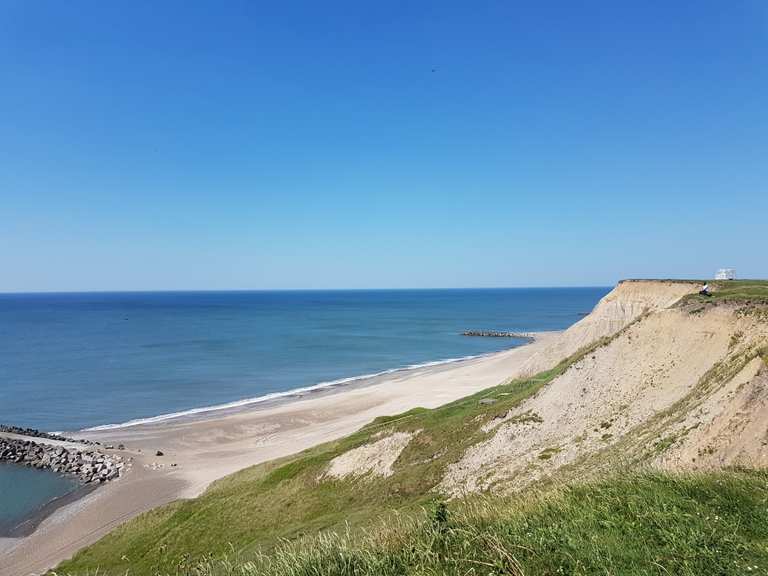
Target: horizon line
(243, 290)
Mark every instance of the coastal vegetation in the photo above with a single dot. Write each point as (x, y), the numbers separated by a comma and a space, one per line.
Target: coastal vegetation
(647, 524)
(652, 523)
(721, 291)
(735, 291)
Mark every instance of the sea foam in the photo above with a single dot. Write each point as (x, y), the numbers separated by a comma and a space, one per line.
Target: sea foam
(294, 393)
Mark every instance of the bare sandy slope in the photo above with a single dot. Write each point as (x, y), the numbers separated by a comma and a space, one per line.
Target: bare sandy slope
(728, 427)
(668, 375)
(629, 300)
(197, 452)
(376, 458)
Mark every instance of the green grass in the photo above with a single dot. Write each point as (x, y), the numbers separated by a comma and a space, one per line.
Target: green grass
(258, 507)
(650, 524)
(647, 524)
(735, 291)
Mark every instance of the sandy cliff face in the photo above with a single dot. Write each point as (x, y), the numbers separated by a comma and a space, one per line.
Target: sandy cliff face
(654, 380)
(624, 304)
(728, 427)
(676, 387)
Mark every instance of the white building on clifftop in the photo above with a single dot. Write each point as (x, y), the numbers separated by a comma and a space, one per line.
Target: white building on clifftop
(725, 274)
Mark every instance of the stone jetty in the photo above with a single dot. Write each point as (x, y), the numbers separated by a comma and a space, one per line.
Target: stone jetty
(87, 465)
(498, 334)
(34, 433)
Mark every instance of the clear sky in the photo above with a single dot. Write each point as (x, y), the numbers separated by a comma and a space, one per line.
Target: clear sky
(217, 145)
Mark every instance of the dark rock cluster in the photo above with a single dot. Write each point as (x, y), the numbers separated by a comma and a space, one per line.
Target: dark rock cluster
(498, 334)
(34, 433)
(87, 466)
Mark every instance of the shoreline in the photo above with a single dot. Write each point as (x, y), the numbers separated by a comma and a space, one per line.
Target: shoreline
(201, 448)
(272, 398)
(27, 525)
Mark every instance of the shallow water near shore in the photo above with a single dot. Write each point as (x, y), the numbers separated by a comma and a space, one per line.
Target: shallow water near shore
(25, 491)
(71, 361)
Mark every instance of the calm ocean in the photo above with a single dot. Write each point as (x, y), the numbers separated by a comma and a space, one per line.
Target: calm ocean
(71, 361)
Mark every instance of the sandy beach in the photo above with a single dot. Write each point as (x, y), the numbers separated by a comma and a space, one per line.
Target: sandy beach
(197, 451)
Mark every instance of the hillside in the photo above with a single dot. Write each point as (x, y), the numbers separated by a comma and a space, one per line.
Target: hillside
(656, 378)
(692, 525)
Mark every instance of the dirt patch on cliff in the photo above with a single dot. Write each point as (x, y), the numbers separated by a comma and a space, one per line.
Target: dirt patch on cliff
(375, 458)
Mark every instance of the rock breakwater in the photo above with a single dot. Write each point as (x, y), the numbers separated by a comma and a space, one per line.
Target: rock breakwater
(87, 466)
(34, 433)
(500, 334)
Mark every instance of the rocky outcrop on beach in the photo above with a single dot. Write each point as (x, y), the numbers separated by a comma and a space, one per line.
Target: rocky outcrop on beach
(87, 466)
(34, 433)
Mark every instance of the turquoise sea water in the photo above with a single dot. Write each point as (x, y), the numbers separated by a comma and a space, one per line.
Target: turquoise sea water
(25, 490)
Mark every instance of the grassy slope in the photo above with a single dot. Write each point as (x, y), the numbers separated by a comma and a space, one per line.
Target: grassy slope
(255, 508)
(648, 524)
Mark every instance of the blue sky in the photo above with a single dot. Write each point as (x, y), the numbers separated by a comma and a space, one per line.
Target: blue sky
(206, 145)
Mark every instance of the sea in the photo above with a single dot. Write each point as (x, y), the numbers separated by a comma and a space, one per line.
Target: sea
(25, 491)
(72, 361)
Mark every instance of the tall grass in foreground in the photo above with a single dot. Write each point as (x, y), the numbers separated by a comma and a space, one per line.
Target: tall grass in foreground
(695, 524)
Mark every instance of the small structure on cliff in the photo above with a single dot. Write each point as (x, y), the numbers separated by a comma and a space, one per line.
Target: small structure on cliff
(725, 274)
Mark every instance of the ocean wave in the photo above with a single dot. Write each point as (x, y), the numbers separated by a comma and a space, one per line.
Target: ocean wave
(294, 392)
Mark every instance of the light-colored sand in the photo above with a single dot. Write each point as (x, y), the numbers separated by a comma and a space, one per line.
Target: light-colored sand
(622, 305)
(375, 458)
(655, 363)
(197, 452)
(727, 428)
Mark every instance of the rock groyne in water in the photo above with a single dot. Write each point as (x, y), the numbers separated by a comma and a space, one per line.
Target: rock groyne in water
(500, 334)
(35, 433)
(87, 466)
